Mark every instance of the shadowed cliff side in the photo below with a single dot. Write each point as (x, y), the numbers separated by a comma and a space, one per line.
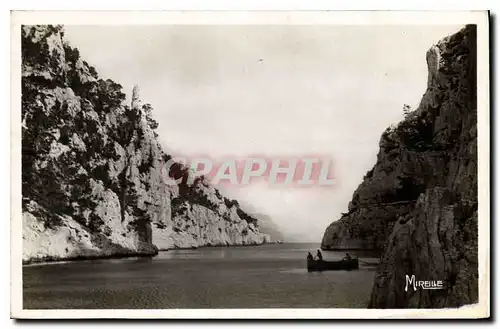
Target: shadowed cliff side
(419, 202)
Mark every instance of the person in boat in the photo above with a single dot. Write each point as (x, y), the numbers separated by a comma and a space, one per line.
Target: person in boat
(310, 256)
(347, 256)
(319, 256)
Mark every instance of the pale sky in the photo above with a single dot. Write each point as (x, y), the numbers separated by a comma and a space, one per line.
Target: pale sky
(274, 90)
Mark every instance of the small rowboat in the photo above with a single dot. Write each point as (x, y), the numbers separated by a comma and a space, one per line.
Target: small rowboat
(341, 265)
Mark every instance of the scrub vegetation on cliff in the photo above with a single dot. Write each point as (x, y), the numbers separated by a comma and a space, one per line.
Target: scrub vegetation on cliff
(93, 173)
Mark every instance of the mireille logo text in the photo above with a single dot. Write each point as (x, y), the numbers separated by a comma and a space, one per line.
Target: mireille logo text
(428, 285)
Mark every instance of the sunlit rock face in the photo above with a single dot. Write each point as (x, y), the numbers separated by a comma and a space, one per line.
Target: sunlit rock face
(201, 216)
(94, 182)
(418, 205)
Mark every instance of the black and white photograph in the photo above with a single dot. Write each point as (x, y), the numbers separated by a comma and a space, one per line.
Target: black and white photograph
(267, 165)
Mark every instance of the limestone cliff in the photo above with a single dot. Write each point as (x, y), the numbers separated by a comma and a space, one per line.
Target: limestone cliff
(201, 216)
(419, 202)
(93, 172)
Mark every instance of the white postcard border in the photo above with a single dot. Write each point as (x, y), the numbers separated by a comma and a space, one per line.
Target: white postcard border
(480, 18)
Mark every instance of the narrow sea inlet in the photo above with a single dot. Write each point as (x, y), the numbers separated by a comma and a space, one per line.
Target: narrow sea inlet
(266, 276)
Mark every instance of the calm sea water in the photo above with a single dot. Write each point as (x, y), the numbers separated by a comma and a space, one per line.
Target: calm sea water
(267, 276)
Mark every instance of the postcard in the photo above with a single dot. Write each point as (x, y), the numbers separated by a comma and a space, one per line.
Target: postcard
(250, 164)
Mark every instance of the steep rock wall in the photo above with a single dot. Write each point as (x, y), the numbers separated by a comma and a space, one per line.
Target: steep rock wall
(201, 216)
(419, 202)
(93, 172)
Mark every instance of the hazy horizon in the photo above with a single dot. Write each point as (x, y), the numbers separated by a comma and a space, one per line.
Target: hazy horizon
(274, 90)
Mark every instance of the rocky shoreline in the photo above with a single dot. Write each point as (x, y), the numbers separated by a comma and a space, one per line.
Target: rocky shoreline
(49, 259)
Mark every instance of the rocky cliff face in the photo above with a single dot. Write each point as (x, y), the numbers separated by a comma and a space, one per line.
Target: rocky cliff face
(201, 216)
(93, 173)
(419, 202)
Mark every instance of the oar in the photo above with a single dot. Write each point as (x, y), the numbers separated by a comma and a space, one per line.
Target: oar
(367, 263)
